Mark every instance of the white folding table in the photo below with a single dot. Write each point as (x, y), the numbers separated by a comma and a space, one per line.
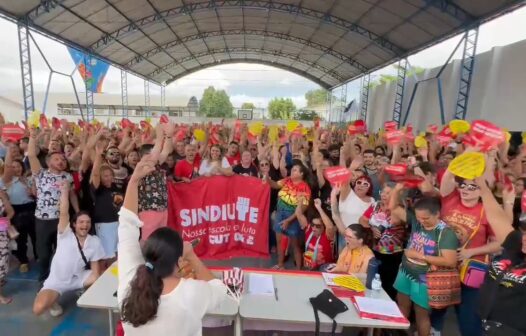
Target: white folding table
(101, 296)
(293, 306)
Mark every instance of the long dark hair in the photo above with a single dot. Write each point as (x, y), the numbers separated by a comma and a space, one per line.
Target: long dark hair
(161, 253)
(362, 233)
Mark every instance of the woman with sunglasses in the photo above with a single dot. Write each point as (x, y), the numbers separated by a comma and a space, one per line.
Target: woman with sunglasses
(319, 235)
(464, 212)
(354, 200)
(390, 236)
(215, 163)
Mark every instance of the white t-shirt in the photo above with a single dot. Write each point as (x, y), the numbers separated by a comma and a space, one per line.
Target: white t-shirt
(207, 166)
(48, 193)
(67, 264)
(351, 209)
(181, 311)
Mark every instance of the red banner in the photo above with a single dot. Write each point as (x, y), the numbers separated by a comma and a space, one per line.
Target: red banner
(229, 215)
(337, 175)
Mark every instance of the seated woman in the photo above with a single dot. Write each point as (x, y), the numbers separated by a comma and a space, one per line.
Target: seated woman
(76, 262)
(215, 163)
(153, 297)
(355, 256)
(319, 235)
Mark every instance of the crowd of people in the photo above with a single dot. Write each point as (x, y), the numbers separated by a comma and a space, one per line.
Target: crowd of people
(87, 195)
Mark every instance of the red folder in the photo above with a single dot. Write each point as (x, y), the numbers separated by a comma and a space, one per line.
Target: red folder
(372, 316)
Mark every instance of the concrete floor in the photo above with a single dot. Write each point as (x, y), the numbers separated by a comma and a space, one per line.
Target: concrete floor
(17, 318)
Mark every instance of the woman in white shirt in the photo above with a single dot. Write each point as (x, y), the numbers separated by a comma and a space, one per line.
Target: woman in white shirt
(75, 264)
(215, 164)
(354, 200)
(153, 297)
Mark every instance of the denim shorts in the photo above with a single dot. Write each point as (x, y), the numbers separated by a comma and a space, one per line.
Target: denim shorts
(294, 228)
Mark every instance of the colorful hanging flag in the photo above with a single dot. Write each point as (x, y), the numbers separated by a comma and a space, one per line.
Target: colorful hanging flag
(93, 73)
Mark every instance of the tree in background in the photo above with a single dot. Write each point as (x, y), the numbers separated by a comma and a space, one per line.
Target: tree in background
(281, 108)
(248, 106)
(316, 97)
(305, 115)
(215, 103)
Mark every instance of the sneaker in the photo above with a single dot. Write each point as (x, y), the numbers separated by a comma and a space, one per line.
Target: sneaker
(24, 268)
(55, 310)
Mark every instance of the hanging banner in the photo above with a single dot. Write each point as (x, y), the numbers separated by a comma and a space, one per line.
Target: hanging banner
(229, 215)
(94, 73)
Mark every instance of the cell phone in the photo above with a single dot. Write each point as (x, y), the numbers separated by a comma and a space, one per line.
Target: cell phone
(195, 242)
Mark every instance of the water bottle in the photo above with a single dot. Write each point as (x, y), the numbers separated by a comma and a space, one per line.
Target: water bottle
(377, 283)
(372, 269)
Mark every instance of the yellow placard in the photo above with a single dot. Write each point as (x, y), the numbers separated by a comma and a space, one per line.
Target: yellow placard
(468, 165)
(458, 126)
(256, 128)
(292, 125)
(34, 119)
(508, 136)
(420, 142)
(114, 270)
(199, 135)
(350, 282)
(273, 132)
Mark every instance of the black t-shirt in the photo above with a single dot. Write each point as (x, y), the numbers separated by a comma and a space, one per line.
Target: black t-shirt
(250, 171)
(504, 301)
(85, 199)
(108, 202)
(274, 175)
(325, 196)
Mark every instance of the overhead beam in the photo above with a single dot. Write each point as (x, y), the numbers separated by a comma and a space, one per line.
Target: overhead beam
(250, 32)
(452, 9)
(234, 60)
(276, 53)
(210, 5)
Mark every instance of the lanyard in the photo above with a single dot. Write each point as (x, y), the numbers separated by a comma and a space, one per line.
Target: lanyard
(315, 255)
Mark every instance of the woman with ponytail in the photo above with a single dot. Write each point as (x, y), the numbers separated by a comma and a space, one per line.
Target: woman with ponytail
(153, 296)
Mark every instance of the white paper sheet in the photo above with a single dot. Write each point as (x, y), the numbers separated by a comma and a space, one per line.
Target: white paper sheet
(378, 306)
(260, 284)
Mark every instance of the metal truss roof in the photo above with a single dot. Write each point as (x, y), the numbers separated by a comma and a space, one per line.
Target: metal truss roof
(327, 41)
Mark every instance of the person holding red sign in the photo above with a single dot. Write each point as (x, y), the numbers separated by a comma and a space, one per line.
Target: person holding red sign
(286, 221)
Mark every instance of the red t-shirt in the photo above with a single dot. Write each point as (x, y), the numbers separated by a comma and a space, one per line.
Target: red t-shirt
(324, 254)
(464, 221)
(184, 168)
(234, 160)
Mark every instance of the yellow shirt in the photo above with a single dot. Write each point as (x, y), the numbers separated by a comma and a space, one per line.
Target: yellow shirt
(355, 261)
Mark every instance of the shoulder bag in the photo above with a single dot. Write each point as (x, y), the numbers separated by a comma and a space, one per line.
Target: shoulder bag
(473, 271)
(328, 304)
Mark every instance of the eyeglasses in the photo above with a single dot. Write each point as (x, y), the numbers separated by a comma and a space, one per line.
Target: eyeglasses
(363, 183)
(317, 226)
(263, 164)
(469, 187)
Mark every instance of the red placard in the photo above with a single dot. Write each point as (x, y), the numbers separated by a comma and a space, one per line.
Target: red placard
(390, 125)
(12, 132)
(409, 181)
(181, 134)
(396, 169)
(337, 175)
(432, 128)
(486, 135)
(164, 119)
(43, 121)
(55, 123)
(228, 214)
(126, 123)
(394, 137)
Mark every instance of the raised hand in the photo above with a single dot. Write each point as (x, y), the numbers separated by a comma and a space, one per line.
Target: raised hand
(145, 167)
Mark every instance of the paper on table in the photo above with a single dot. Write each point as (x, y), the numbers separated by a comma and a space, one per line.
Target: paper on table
(260, 284)
(329, 278)
(377, 307)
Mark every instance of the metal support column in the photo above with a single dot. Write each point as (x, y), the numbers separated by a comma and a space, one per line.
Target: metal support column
(466, 72)
(124, 93)
(147, 97)
(25, 64)
(400, 85)
(163, 95)
(364, 96)
(90, 112)
(329, 106)
(343, 103)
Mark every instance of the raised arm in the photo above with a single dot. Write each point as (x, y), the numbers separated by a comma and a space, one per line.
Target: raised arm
(330, 228)
(63, 221)
(394, 203)
(168, 130)
(335, 208)
(447, 186)
(498, 220)
(95, 171)
(34, 163)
